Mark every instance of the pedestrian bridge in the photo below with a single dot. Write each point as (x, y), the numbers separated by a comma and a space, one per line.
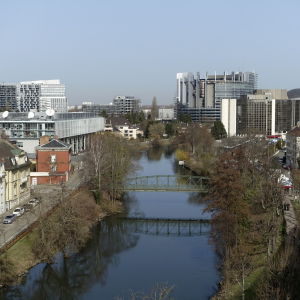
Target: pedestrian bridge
(167, 183)
(179, 227)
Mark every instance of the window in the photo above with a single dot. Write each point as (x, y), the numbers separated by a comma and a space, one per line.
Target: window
(53, 168)
(53, 158)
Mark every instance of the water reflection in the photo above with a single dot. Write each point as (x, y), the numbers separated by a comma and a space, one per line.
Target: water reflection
(74, 276)
(196, 199)
(155, 153)
(117, 258)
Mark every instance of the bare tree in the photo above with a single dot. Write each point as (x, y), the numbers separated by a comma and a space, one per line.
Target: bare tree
(97, 159)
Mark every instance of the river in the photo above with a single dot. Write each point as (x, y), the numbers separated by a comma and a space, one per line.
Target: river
(123, 255)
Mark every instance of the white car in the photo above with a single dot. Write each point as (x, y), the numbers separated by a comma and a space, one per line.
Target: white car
(283, 178)
(19, 211)
(33, 202)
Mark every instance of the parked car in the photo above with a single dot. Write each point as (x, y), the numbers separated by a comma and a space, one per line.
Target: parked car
(33, 202)
(283, 178)
(9, 219)
(19, 211)
(27, 207)
(287, 185)
(286, 167)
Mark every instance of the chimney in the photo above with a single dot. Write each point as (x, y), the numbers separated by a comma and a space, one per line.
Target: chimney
(56, 137)
(44, 139)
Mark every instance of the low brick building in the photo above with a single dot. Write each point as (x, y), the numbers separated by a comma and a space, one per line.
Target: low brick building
(53, 162)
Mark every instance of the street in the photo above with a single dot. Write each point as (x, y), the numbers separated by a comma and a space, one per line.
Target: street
(50, 195)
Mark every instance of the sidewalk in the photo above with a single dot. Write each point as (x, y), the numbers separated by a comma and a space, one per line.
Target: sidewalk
(290, 218)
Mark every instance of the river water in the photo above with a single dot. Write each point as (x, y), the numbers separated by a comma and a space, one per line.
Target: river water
(125, 255)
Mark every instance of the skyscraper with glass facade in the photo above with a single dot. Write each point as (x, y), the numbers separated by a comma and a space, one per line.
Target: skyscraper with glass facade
(201, 98)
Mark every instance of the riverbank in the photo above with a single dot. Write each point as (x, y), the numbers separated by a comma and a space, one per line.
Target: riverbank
(70, 224)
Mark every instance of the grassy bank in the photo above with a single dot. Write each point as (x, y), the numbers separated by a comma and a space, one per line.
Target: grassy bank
(42, 244)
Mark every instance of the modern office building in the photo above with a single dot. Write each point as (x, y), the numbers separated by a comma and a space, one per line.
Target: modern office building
(72, 128)
(37, 96)
(98, 108)
(201, 98)
(166, 113)
(121, 105)
(266, 112)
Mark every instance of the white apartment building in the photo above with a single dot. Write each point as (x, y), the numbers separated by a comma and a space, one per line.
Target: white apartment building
(46, 94)
(35, 96)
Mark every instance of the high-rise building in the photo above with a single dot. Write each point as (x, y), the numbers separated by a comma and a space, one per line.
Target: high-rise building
(34, 96)
(201, 98)
(267, 112)
(126, 104)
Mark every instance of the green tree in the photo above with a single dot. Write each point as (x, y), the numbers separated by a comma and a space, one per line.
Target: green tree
(156, 130)
(170, 128)
(103, 114)
(141, 117)
(154, 109)
(185, 118)
(218, 130)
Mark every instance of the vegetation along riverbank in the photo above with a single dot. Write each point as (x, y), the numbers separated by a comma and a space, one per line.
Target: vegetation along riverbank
(250, 232)
(68, 228)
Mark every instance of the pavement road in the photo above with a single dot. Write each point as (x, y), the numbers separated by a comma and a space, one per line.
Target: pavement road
(50, 194)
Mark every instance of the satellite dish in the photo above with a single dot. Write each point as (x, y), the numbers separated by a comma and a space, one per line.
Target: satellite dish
(30, 115)
(5, 114)
(50, 112)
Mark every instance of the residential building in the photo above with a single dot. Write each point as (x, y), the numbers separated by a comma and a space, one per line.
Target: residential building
(53, 162)
(14, 176)
(71, 128)
(122, 126)
(36, 96)
(201, 98)
(126, 104)
(293, 147)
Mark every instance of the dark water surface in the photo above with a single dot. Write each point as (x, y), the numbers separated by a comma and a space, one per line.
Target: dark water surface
(122, 256)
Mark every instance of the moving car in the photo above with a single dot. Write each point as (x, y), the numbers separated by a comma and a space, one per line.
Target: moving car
(9, 219)
(19, 211)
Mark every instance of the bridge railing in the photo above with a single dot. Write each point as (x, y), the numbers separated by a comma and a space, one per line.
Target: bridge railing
(167, 183)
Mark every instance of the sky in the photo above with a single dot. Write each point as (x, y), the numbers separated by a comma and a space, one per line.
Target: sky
(100, 49)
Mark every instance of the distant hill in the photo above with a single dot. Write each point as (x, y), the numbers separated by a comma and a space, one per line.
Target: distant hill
(292, 94)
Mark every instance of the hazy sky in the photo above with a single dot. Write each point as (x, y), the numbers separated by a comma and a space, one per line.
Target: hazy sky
(101, 49)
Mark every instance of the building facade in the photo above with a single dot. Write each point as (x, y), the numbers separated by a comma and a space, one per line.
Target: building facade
(14, 176)
(293, 147)
(201, 98)
(267, 112)
(37, 96)
(72, 128)
(121, 105)
(53, 162)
